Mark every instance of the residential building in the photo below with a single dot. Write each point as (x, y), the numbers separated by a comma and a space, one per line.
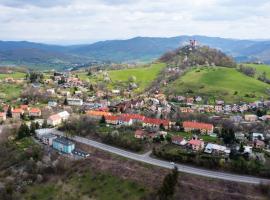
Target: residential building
(257, 136)
(204, 128)
(48, 139)
(111, 119)
(3, 116)
(75, 102)
(156, 123)
(63, 145)
(97, 114)
(196, 144)
(17, 112)
(34, 112)
(57, 119)
(52, 103)
(178, 140)
(216, 149)
(140, 134)
(258, 144)
(251, 118)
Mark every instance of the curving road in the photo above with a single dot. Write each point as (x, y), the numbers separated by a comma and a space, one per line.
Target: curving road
(182, 168)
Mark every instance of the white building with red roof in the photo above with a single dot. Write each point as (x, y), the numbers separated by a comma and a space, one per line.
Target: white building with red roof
(34, 112)
(196, 144)
(156, 123)
(204, 128)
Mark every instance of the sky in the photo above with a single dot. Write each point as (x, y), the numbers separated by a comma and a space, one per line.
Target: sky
(87, 21)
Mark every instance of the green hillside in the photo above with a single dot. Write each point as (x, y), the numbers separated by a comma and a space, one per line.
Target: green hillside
(260, 69)
(142, 76)
(219, 83)
(16, 75)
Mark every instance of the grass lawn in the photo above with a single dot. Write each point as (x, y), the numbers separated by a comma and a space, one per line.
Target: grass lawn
(260, 69)
(219, 83)
(24, 143)
(88, 186)
(15, 75)
(144, 75)
(10, 91)
(120, 78)
(205, 138)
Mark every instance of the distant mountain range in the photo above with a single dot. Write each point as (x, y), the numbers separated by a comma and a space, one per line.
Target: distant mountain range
(43, 56)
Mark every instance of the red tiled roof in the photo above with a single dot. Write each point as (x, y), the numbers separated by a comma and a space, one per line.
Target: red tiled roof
(111, 118)
(24, 107)
(156, 121)
(55, 117)
(134, 116)
(195, 142)
(98, 113)
(17, 110)
(140, 133)
(197, 125)
(177, 138)
(35, 110)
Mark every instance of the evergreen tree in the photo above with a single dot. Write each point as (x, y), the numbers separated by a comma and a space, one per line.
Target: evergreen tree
(9, 113)
(167, 189)
(23, 131)
(32, 127)
(45, 125)
(65, 101)
(102, 120)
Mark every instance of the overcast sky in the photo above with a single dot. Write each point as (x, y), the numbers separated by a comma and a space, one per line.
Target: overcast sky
(81, 21)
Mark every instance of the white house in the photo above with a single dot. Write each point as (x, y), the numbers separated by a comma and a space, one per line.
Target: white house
(257, 136)
(75, 102)
(210, 148)
(48, 139)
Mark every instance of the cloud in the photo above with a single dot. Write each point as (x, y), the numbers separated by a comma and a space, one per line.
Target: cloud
(79, 21)
(38, 3)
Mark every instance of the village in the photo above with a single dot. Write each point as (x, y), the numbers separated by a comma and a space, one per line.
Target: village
(153, 121)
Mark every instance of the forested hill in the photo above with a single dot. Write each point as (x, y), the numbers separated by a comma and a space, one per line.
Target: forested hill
(199, 55)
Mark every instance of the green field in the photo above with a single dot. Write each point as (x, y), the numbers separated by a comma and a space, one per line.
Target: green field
(10, 91)
(260, 69)
(15, 75)
(87, 186)
(219, 83)
(144, 76)
(188, 136)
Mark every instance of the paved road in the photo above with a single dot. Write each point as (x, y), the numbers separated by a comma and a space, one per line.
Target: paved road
(182, 168)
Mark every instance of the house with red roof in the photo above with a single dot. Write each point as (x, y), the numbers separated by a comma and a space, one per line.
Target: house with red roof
(178, 140)
(196, 144)
(34, 112)
(134, 117)
(204, 128)
(54, 120)
(125, 120)
(111, 119)
(97, 114)
(25, 108)
(17, 113)
(140, 134)
(3, 116)
(156, 123)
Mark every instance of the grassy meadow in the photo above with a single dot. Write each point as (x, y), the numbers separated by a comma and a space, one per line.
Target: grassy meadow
(144, 76)
(219, 83)
(87, 186)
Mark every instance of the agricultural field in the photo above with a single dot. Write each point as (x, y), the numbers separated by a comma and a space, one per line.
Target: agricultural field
(143, 77)
(219, 83)
(15, 75)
